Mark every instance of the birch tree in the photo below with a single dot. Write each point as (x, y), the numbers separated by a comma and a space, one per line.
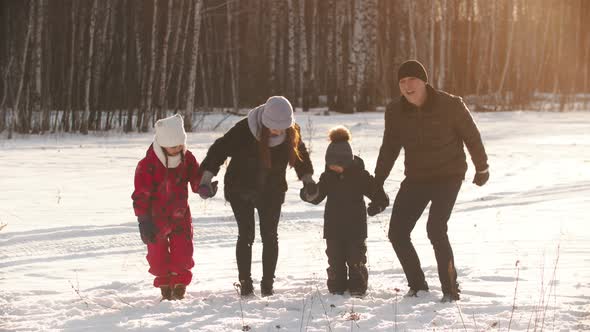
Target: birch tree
(88, 76)
(192, 83)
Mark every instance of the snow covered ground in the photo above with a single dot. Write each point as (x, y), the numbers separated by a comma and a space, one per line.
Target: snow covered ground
(71, 258)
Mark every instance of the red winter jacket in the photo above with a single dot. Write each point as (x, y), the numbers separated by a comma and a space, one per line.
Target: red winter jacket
(162, 193)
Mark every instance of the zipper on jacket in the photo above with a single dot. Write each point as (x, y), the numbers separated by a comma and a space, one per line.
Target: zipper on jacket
(420, 126)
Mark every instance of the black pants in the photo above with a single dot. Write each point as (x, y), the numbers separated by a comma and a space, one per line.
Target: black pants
(410, 202)
(347, 269)
(269, 211)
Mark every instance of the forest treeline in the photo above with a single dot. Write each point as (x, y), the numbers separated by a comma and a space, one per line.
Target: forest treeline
(80, 65)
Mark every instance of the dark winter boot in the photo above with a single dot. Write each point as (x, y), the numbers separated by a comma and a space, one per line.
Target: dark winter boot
(358, 279)
(413, 292)
(246, 288)
(266, 287)
(450, 297)
(179, 291)
(166, 293)
(336, 281)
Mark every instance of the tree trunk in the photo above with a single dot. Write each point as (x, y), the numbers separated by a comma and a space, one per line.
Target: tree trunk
(410, 5)
(86, 115)
(38, 106)
(162, 104)
(192, 82)
(148, 114)
(432, 34)
(508, 52)
(233, 54)
(443, 44)
(17, 119)
(290, 81)
(182, 61)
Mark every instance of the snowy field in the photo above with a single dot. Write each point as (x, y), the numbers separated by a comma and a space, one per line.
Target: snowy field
(71, 257)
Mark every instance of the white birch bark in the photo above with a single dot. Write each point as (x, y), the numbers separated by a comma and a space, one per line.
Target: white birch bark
(148, 112)
(411, 6)
(443, 44)
(508, 54)
(89, 66)
(289, 17)
(192, 82)
(162, 105)
(37, 64)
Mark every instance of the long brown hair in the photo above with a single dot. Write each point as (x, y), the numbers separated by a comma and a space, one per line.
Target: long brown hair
(293, 139)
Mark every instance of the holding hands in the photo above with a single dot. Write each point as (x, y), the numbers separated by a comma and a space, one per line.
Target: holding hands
(207, 189)
(378, 205)
(310, 190)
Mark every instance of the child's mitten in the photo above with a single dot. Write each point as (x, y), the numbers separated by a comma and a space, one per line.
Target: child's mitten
(147, 229)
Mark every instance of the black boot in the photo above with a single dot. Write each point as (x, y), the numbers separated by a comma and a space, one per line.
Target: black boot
(413, 292)
(266, 287)
(246, 288)
(358, 279)
(450, 297)
(336, 281)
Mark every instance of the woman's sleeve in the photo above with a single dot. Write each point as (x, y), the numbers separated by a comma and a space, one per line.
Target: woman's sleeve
(323, 188)
(303, 166)
(222, 148)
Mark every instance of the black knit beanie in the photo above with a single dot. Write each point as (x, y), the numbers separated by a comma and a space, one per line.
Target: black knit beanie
(412, 68)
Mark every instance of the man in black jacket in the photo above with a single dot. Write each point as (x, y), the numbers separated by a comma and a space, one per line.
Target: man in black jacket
(431, 126)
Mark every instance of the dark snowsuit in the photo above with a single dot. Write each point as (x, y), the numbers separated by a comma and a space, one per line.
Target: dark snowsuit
(248, 186)
(345, 224)
(435, 164)
(161, 195)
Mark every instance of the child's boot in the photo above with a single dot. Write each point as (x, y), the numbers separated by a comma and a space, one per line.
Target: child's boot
(166, 292)
(336, 281)
(179, 291)
(358, 281)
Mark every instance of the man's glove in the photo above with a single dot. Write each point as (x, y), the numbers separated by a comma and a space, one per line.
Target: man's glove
(207, 189)
(147, 229)
(481, 177)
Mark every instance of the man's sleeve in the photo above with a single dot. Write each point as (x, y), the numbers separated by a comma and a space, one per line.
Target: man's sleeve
(389, 151)
(469, 133)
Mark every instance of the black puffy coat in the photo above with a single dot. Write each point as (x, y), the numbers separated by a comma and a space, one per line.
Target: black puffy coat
(345, 215)
(432, 137)
(245, 175)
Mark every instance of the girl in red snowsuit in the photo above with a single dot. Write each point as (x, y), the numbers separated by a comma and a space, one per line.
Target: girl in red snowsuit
(160, 201)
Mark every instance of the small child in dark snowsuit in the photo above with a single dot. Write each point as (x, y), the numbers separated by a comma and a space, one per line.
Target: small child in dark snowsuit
(345, 182)
(160, 202)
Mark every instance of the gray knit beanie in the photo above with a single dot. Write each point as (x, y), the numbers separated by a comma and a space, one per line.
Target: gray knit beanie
(278, 113)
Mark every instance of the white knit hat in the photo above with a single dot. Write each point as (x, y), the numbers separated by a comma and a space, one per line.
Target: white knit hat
(170, 131)
(278, 113)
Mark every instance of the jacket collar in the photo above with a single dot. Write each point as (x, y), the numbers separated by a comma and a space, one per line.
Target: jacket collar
(428, 105)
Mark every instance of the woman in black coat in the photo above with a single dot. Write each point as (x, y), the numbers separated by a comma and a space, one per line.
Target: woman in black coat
(260, 146)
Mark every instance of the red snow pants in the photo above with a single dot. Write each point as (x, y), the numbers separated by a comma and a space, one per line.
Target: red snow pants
(171, 256)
